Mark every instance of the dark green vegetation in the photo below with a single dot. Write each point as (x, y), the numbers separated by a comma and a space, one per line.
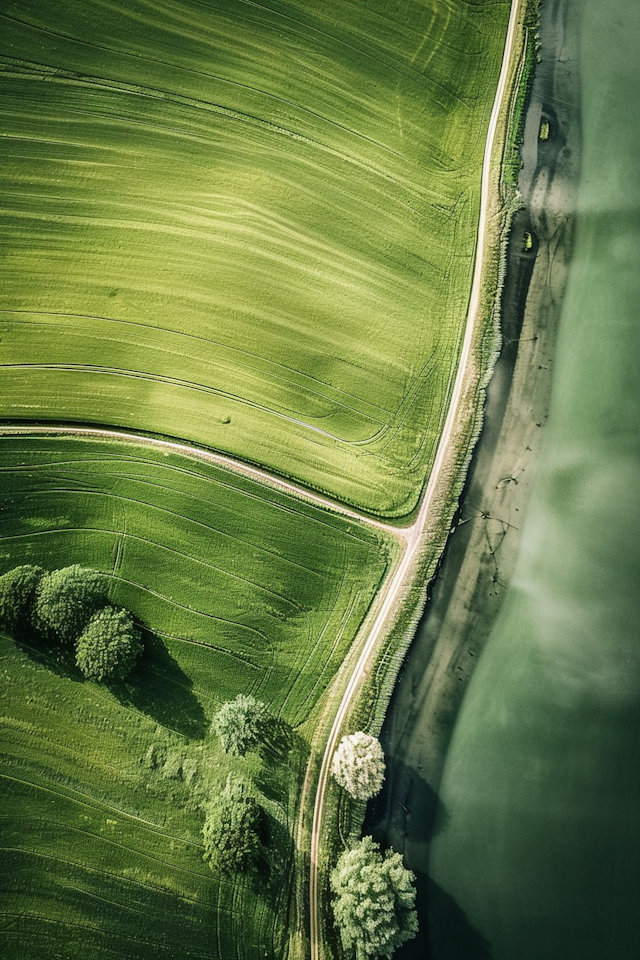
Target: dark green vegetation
(542, 784)
(374, 900)
(231, 831)
(17, 596)
(70, 606)
(248, 225)
(110, 645)
(66, 600)
(512, 161)
(104, 790)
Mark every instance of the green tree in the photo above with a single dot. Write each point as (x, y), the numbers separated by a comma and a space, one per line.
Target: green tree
(231, 831)
(66, 600)
(110, 645)
(17, 592)
(238, 724)
(374, 900)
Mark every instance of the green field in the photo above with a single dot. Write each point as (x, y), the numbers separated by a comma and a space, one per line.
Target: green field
(238, 592)
(249, 225)
(540, 845)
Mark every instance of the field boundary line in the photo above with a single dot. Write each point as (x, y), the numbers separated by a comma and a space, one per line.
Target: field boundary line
(414, 534)
(209, 456)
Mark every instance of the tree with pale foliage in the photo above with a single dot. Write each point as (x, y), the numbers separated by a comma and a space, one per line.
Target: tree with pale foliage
(358, 765)
(374, 900)
(239, 723)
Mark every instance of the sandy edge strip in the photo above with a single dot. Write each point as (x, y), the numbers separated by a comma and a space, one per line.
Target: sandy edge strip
(404, 571)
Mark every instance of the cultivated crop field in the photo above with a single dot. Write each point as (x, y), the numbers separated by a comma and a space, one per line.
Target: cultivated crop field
(239, 592)
(250, 225)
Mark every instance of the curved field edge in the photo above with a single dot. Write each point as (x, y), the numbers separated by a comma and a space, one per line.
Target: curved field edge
(238, 591)
(343, 818)
(254, 230)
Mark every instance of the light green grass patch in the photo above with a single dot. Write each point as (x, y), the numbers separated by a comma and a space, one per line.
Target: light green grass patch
(247, 225)
(240, 592)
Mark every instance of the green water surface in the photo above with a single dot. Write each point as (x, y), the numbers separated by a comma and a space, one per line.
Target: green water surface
(540, 846)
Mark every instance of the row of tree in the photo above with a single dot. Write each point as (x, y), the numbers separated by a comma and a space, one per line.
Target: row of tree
(234, 819)
(70, 607)
(373, 893)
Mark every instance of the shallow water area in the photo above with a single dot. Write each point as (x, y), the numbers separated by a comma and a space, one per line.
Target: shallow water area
(541, 841)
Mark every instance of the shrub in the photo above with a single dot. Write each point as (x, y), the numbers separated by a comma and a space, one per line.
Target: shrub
(66, 600)
(231, 831)
(374, 900)
(17, 592)
(358, 765)
(238, 724)
(110, 645)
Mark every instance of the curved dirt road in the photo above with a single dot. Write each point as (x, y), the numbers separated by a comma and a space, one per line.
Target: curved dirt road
(207, 456)
(414, 533)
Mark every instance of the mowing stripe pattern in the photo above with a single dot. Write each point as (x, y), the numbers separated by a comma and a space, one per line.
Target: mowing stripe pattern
(238, 593)
(250, 225)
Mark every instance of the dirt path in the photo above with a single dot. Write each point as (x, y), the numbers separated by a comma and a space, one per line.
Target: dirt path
(480, 557)
(208, 456)
(405, 569)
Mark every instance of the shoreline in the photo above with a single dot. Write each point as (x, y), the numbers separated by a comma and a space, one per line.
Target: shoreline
(405, 589)
(466, 596)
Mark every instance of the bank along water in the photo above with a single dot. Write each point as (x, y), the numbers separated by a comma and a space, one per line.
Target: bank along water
(537, 845)
(468, 591)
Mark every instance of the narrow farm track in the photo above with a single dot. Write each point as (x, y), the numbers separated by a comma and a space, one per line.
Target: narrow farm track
(209, 456)
(413, 535)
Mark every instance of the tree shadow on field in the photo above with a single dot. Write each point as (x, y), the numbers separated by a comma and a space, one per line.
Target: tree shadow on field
(277, 856)
(157, 686)
(160, 688)
(61, 660)
(283, 752)
(278, 738)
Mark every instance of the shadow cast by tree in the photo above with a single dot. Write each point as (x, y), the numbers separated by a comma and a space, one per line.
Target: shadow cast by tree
(407, 804)
(160, 688)
(451, 935)
(276, 856)
(61, 660)
(157, 686)
(283, 752)
(445, 931)
(278, 739)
